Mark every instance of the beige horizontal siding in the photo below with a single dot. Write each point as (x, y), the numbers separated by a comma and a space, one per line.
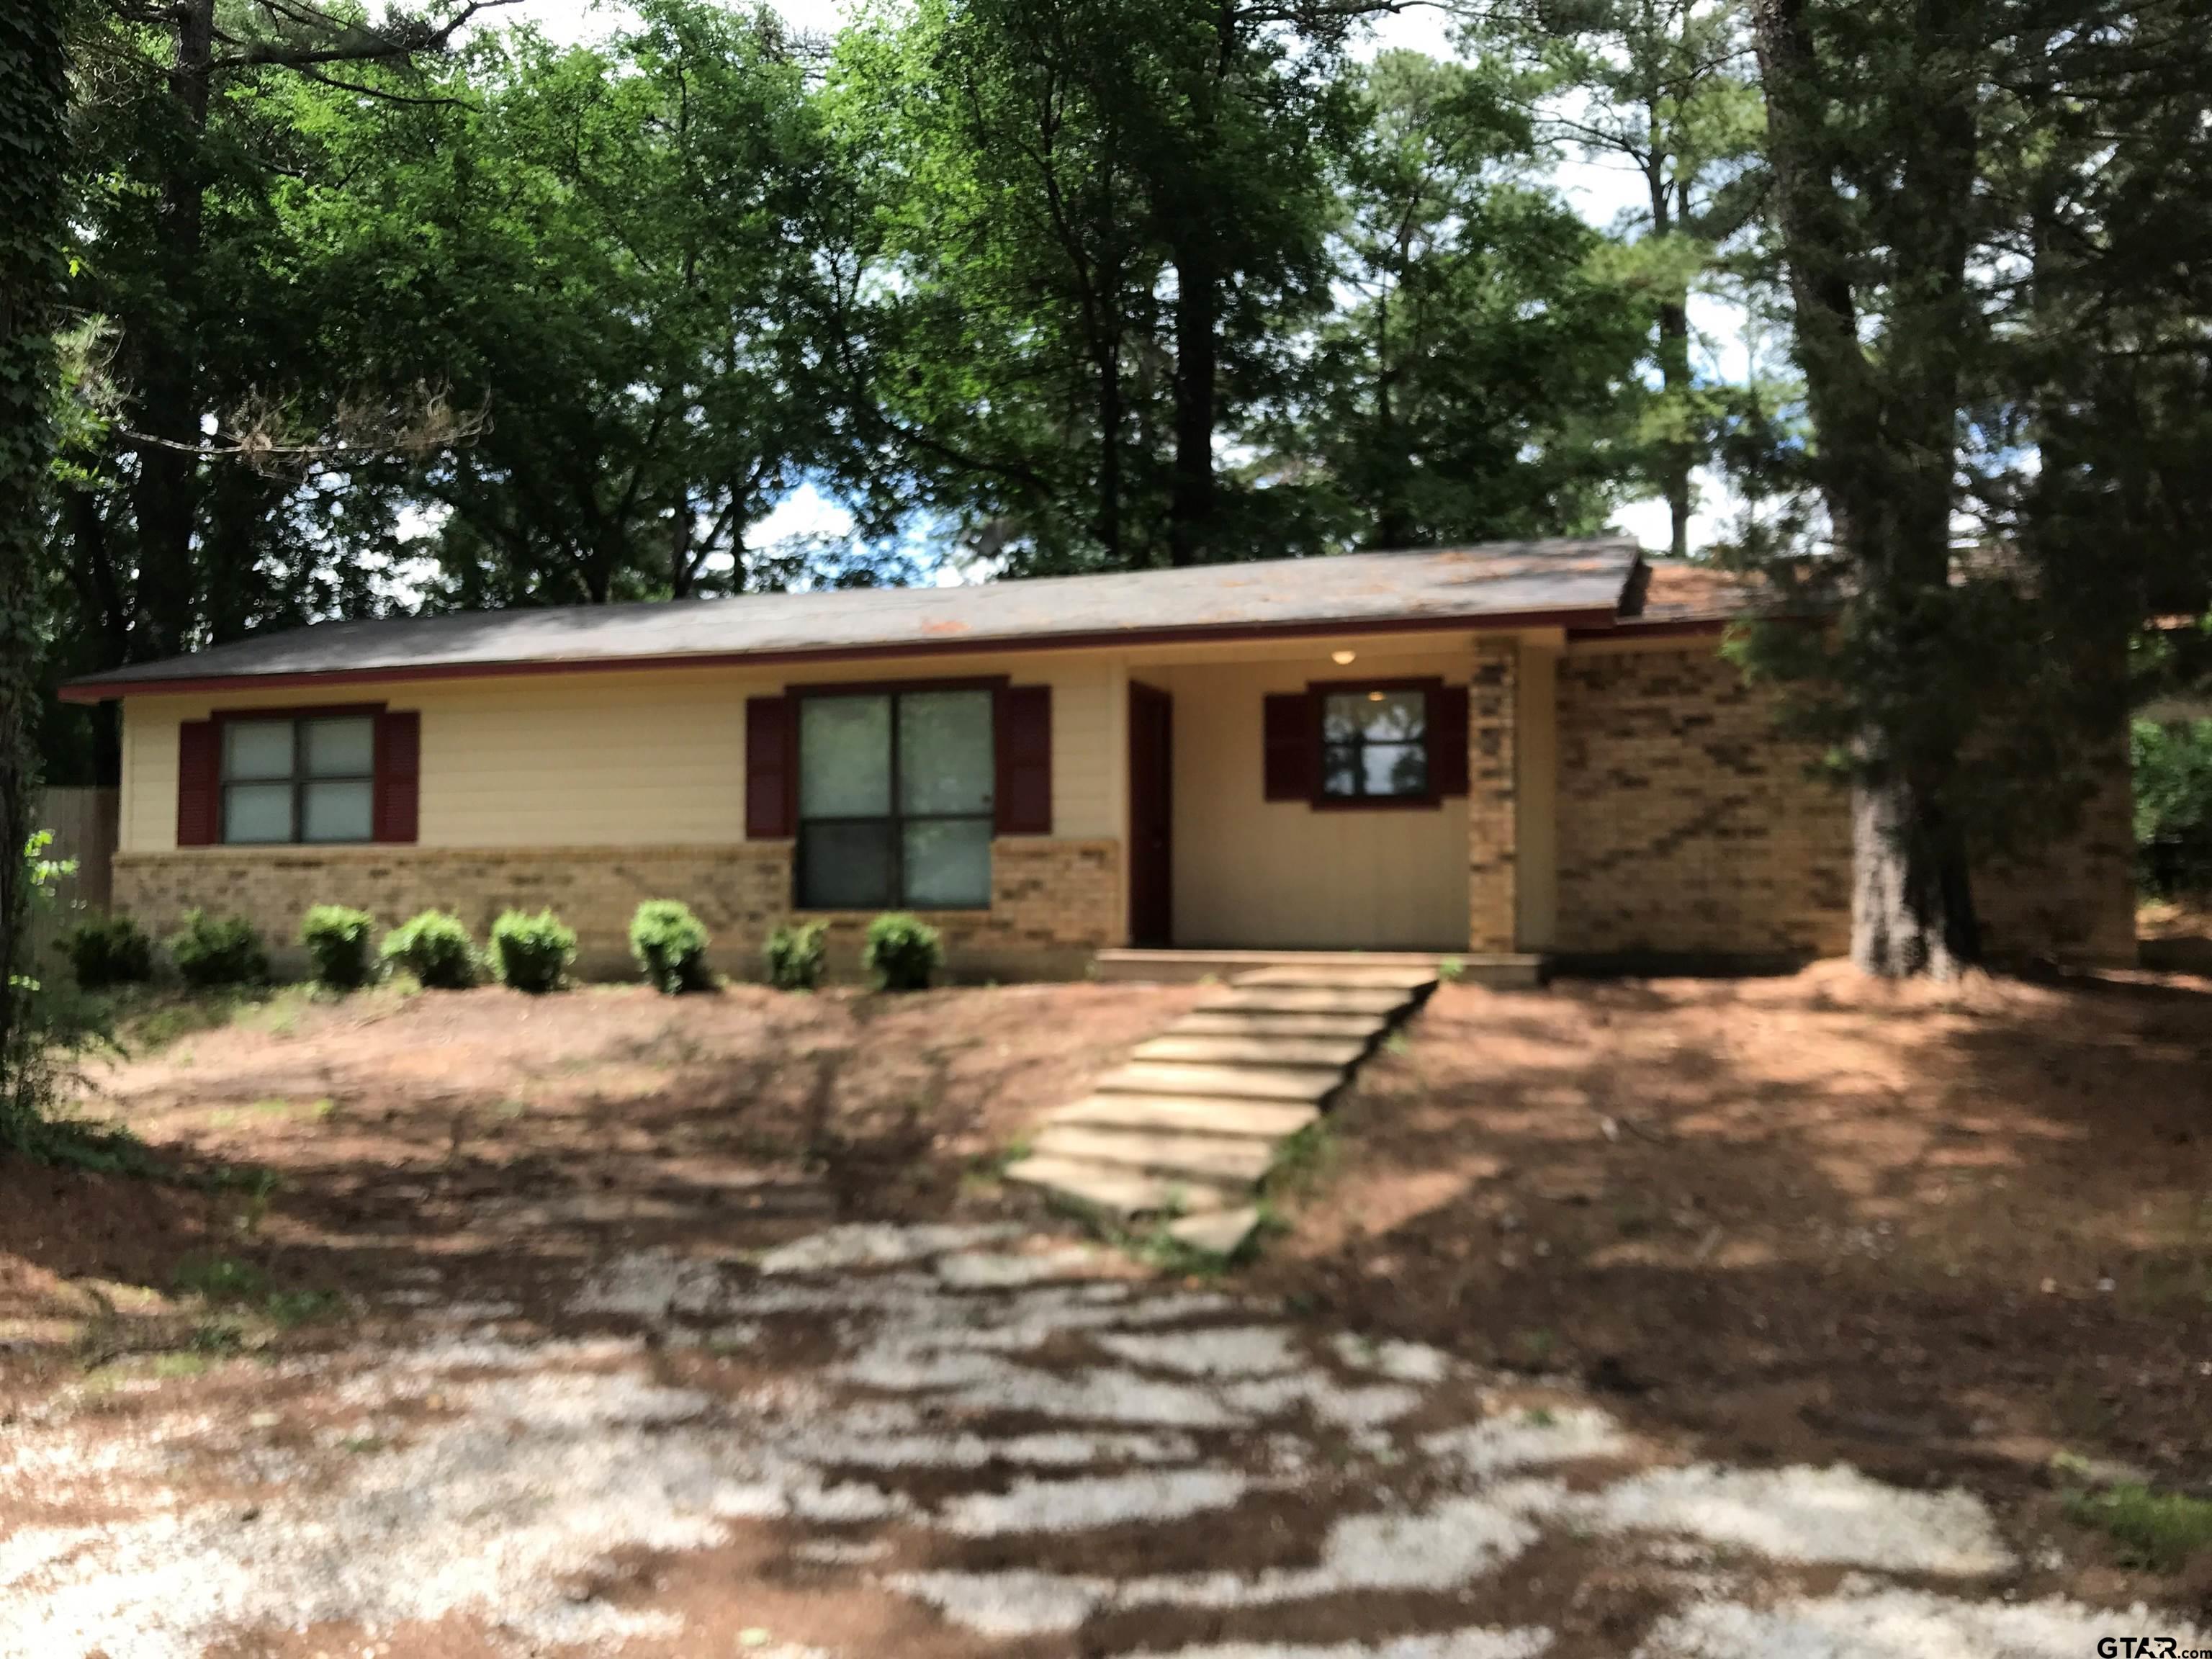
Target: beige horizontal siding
(620, 759)
(1251, 872)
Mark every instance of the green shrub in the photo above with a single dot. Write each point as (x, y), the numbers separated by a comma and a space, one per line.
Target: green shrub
(105, 950)
(671, 945)
(532, 953)
(212, 951)
(338, 943)
(435, 948)
(795, 955)
(903, 952)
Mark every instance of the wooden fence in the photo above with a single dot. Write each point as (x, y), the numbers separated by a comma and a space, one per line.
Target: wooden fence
(83, 823)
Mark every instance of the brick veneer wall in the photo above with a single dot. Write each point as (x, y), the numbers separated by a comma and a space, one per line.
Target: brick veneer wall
(1053, 902)
(2076, 900)
(1687, 825)
(1492, 852)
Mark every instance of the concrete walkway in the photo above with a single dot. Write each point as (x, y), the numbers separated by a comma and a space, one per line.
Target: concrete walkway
(1189, 1126)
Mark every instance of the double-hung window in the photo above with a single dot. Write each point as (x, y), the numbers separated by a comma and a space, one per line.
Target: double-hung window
(299, 780)
(1375, 744)
(895, 800)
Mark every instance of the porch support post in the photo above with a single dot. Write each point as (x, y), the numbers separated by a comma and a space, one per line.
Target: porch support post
(1492, 815)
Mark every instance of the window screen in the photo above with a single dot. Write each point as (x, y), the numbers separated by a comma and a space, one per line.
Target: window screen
(895, 800)
(304, 780)
(1374, 744)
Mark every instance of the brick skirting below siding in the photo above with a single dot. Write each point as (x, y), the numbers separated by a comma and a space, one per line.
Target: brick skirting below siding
(1053, 903)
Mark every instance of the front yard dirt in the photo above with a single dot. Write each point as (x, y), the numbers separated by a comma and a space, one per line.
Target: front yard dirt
(1689, 1319)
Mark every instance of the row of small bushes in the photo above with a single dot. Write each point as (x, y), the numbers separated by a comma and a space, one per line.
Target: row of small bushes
(903, 952)
(526, 952)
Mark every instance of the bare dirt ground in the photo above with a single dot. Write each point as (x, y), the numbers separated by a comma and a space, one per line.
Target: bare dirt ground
(1679, 1319)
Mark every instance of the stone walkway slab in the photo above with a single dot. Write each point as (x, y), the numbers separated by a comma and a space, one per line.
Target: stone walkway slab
(1192, 1123)
(1259, 1120)
(1200, 1157)
(1117, 1191)
(1211, 1050)
(1305, 1084)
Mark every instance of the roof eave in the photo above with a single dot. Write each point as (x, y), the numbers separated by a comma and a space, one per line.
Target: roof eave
(97, 689)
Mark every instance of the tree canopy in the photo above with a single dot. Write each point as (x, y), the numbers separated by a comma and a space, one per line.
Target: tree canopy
(360, 314)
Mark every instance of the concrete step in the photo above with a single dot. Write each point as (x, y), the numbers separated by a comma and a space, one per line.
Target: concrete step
(1387, 979)
(1232, 1022)
(1305, 999)
(1252, 1120)
(1187, 966)
(1252, 1050)
(1221, 1233)
(1306, 1085)
(1217, 1158)
(1118, 1190)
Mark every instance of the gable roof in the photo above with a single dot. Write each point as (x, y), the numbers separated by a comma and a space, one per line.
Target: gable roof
(1577, 584)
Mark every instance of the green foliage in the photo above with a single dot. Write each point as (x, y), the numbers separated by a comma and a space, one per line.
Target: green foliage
(904, 952)
(795, 955)
(35, 202)
(2172, 769)
(337, 938)
(435, 948)
(532, 953)
(1485, 384)
(670, 944)
(218, 951)
(50, 1026)
(2156, 1531)
(107, 950)
(1976, 229)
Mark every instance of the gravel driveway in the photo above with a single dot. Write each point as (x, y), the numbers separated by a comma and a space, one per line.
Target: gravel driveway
(950, 1441)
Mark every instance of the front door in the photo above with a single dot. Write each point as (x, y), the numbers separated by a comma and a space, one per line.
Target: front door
(1152, 817)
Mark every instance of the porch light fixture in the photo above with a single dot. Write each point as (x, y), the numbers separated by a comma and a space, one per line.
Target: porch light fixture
(1341, 658)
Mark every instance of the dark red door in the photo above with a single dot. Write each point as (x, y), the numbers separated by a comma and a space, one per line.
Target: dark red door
(1152, 817)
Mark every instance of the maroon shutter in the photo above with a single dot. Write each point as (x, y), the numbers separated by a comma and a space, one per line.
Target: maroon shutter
(399, 775)
(1025, 760)
(768, 769)
(1291, 734)
(199, 784)
(1448, 740)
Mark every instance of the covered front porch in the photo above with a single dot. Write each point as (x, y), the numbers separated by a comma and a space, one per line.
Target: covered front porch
(1375, 798)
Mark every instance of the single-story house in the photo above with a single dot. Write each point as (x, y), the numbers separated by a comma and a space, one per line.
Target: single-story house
(1528, 748)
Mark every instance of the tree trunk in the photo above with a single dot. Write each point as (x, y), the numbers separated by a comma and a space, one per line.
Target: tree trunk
(33, 94)
(1198, 346)
(1678, 457)
(1887, 413)
(1912, 908)
(1110, 455)
(165, 501)
(679, 546)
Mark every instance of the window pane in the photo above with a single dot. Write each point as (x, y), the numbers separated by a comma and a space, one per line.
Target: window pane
(946, 763)
(257, 812)
(844, 758)
(341, 749)
(1396, 769)
(845, 867)
(1339, 769)
(1376, 716)
(1343, 716)
(948, 862)
(257, 748)
(336, 812)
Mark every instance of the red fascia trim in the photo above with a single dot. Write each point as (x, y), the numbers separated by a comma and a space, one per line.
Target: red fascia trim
(1656, 630)
(1597, 618)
